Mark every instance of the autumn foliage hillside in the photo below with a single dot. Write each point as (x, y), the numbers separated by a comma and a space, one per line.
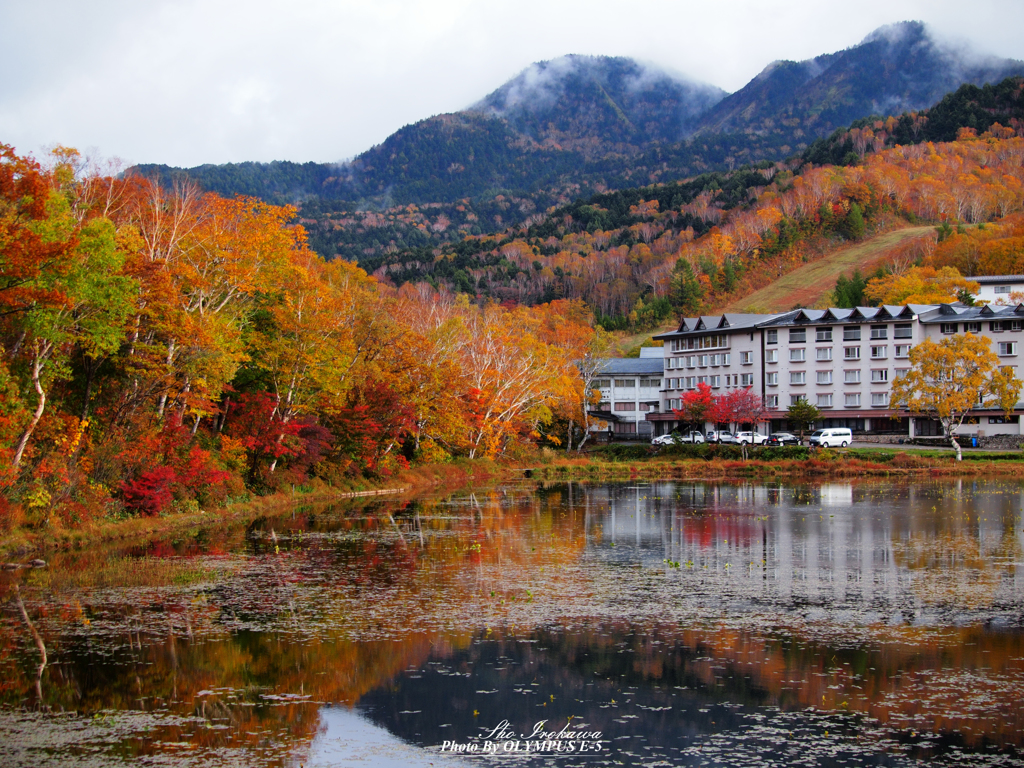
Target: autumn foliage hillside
(162, 349)
(637, 255)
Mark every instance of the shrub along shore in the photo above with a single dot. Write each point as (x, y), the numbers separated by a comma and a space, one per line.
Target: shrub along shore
(717, 462)
(19, 544)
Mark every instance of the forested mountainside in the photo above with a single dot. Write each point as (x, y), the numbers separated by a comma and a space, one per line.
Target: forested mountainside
(898, 68)
(637, 255)
(650, 222)
(970, 107)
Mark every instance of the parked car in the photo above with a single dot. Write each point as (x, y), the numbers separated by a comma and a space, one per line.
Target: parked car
(727, 438)
(838, 437)
(711, 435)
(750, 438)
(671, 439)
(782, 438)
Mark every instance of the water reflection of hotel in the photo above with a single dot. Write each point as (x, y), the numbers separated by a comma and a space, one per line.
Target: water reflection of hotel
(844, 543)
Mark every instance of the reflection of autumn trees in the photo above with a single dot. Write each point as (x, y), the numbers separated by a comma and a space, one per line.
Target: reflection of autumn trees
(951, 568)
(327, 619)
(330, 605)
(963, 683)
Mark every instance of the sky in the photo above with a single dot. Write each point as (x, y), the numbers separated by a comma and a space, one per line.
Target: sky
(187, 82)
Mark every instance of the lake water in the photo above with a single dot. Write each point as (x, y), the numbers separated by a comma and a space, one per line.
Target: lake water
(693, 624)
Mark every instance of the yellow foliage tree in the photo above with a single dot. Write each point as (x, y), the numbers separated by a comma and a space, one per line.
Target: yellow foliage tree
(920, 285)
(948, 379)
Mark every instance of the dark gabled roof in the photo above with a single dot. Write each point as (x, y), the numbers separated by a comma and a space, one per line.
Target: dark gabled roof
(807, 316)
(996, 279)
(729, 321)
(632, 366)
(959, 313)
(839, 316)
(835, 315)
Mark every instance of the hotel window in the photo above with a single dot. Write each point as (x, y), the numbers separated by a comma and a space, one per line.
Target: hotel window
(771, 401)
(625, 406)
(972, 327)
(690, 382)
(1007, 348)
(746, 379)
(771, 379)
(851, 333)
(903, 331)
(948, 327)
(878, 353)
(600, 384)
(880, 398)
(650, 382)
(794, 399)
(1015, 325)
(879, 376)
(879, 331)
(996, 326)
(823, 334)
(851, 353)
(797, 355)
(716, 360)
(716, 382)
(824, 401)
(771, 356)
(899, 373)
(823, 353)
(853, 400)
(702, 361)
(852, 377)
(671, 362)
(798, 377)
(902, 350)
(824, 377)
(797, 335)
(746, 358)
(771, 337)
(625, 383)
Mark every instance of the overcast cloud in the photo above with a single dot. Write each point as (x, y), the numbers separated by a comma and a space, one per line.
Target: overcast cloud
(187, 82)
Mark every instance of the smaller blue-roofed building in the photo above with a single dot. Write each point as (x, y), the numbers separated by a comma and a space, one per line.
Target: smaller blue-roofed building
(630, 389)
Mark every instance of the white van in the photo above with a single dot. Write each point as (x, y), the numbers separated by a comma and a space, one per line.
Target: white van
(840, 437)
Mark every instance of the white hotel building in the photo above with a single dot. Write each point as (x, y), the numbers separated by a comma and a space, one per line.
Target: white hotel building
(841, 360)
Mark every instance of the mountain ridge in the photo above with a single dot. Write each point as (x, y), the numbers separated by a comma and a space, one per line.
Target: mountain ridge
(579, 125)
